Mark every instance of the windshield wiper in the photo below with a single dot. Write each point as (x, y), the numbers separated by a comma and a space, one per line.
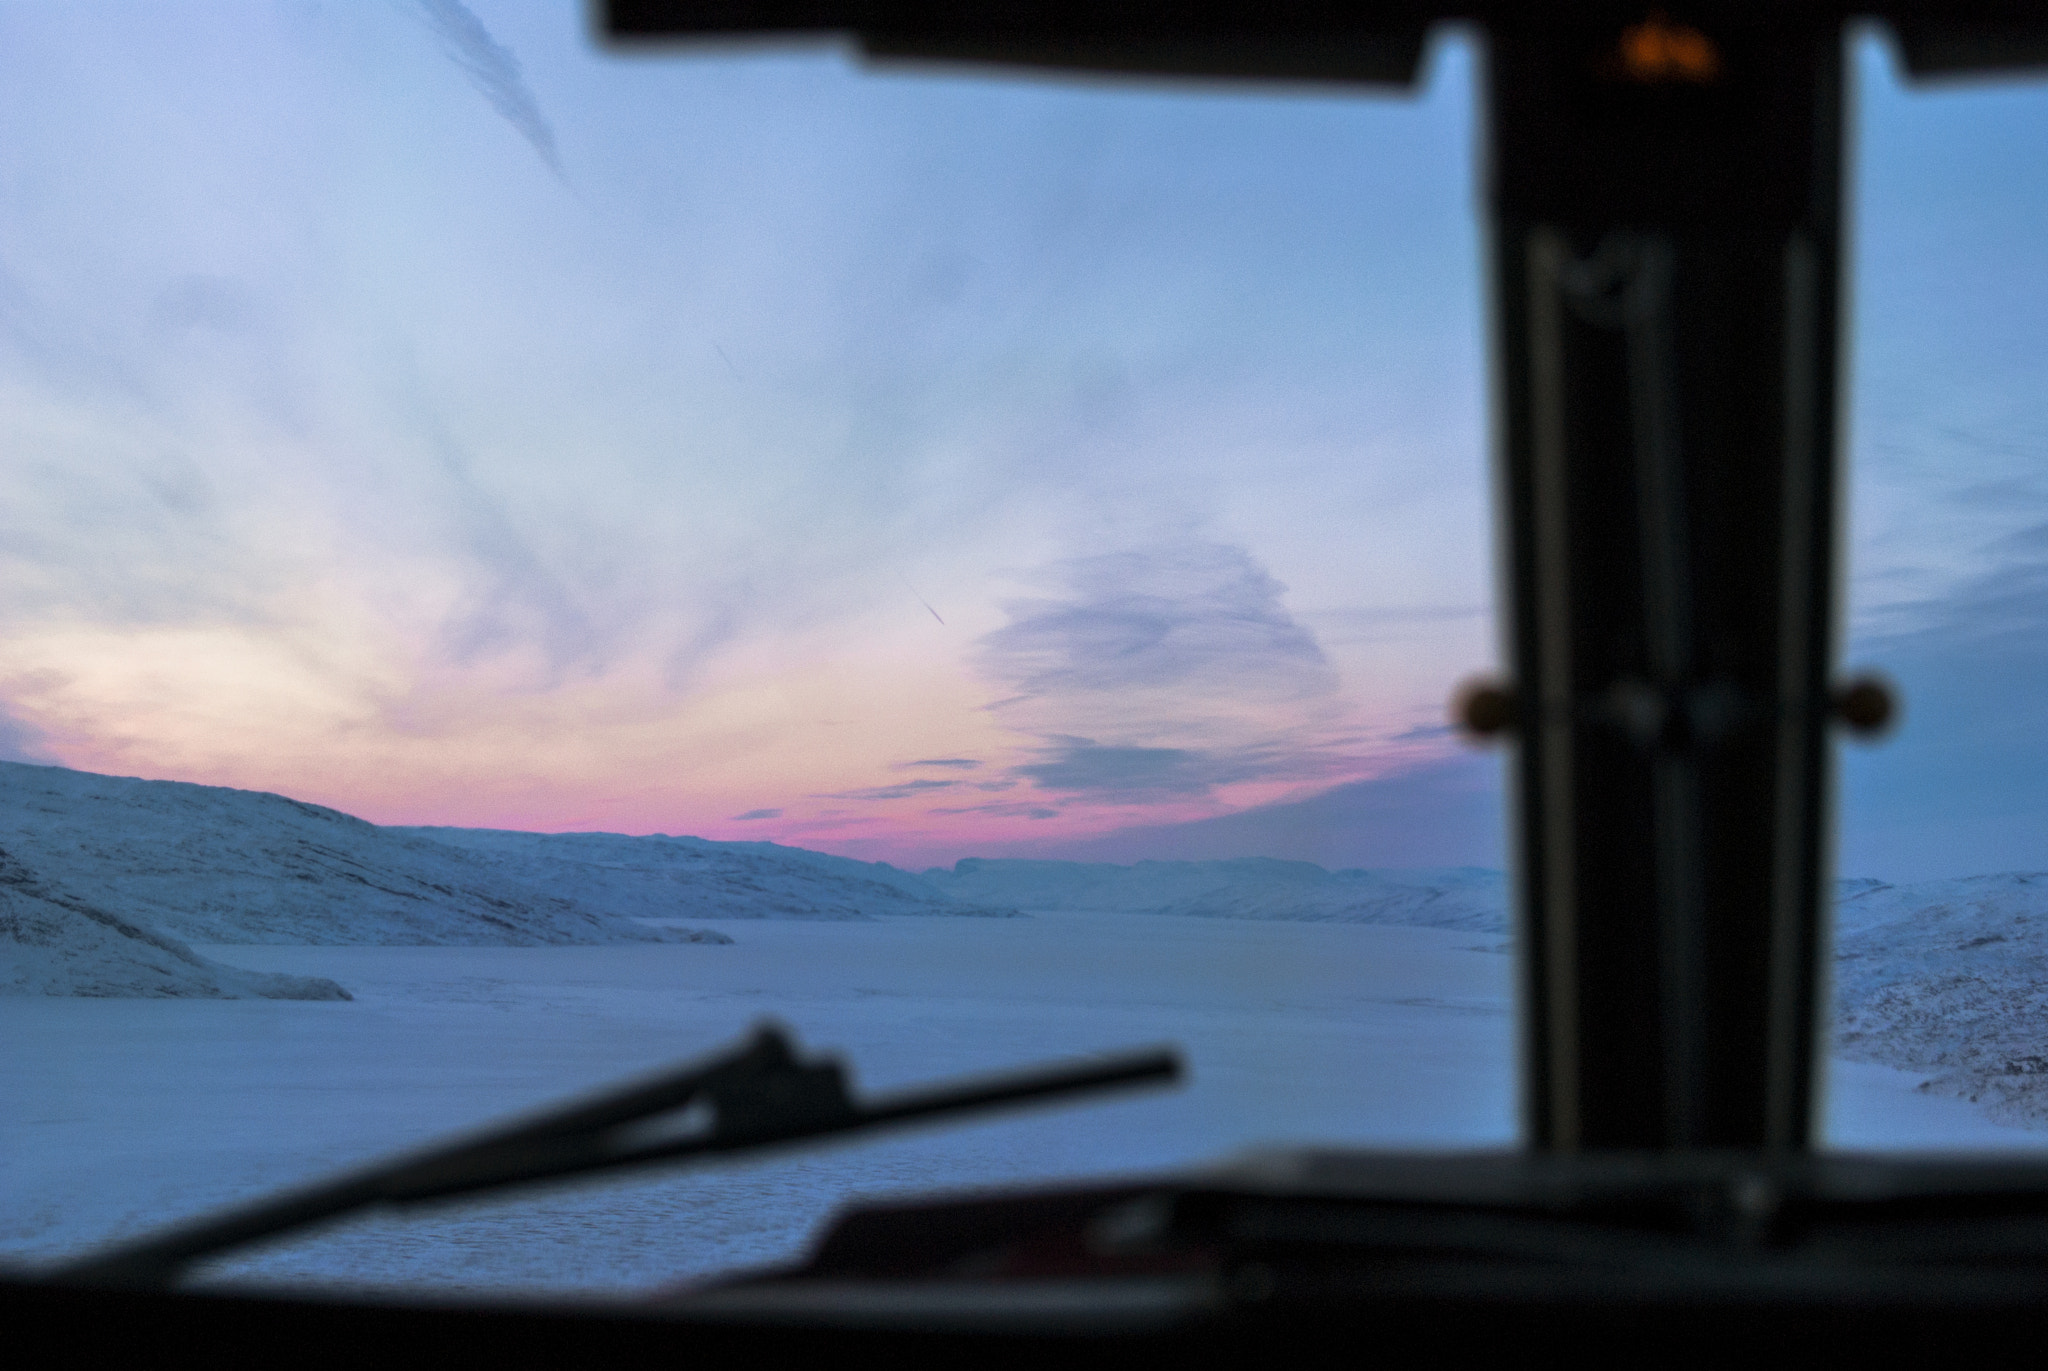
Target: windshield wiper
(759, 1095)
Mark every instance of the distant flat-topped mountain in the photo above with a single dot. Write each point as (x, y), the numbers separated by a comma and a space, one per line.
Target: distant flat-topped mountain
(1242, 888)
(695, 878)
(53, 943)
(211, 865)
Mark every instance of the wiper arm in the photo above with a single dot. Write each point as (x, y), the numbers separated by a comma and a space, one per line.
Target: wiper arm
(759, 1095)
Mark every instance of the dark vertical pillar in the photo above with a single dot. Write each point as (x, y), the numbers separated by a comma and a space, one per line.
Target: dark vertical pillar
(1666, 233)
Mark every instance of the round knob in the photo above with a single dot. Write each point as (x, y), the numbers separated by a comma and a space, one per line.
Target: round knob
(1483, 709)
(1866, 705)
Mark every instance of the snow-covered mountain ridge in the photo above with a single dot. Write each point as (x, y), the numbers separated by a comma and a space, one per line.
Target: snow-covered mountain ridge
(695, 878)
(212, 865)
(1470, 898)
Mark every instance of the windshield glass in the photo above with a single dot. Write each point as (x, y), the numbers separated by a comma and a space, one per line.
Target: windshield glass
(1941, 928)
(523, 561)
(429, 435)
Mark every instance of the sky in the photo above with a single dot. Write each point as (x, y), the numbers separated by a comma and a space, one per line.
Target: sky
(414, 408)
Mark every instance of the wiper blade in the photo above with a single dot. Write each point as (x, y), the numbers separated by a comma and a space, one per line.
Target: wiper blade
(760, 1095)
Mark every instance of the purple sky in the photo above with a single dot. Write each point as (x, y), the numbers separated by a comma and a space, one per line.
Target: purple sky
(410, 408)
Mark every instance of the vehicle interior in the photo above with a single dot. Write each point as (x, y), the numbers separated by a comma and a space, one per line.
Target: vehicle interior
(1664, 195)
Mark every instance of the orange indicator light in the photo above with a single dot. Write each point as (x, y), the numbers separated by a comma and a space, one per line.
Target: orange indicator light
(1658, 51)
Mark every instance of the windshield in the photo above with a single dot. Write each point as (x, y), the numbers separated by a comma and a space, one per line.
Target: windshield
(1938, 936)
(526, 560)
(1072, 496)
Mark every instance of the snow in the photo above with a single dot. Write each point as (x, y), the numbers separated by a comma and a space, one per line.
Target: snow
(493, 972)
(664, 877)
(209, 864)
(115, 1115)
(1245, 888)
(1952, 982)
(53, 943)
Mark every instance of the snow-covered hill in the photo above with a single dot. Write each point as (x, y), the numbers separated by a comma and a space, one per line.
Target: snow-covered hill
(1951, 978)
(213, 865)
(1244, 888)
(694, 878)
(53, 943)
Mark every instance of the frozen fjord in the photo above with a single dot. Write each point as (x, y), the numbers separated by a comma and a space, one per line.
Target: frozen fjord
(118, 1115)
(1310, 1013)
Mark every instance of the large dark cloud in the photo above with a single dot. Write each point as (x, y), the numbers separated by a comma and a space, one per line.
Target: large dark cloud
(1203, 617)
(1149, 676)
(1159, 674)
(1961, 786)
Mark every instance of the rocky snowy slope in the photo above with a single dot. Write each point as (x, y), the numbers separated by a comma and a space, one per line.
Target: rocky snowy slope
(53, 943)
(213, 865)
(1950, 978)
(1245, 888)
(693, 878)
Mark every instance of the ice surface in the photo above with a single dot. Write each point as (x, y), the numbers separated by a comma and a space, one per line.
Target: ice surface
(1308, 1012)
(209, 864)
(118, 1115)
(664, 877)
(53, 943)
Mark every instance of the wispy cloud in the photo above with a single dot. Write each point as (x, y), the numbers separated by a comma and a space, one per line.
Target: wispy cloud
(516, 600)
(1141, 774)
(758, 814)
(1001, 811)
(951, 763)
(890, 792)
(494, 71)
(1083, 764)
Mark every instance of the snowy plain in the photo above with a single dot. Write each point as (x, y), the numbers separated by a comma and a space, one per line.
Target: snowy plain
(119, 1114)
(207, 995)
